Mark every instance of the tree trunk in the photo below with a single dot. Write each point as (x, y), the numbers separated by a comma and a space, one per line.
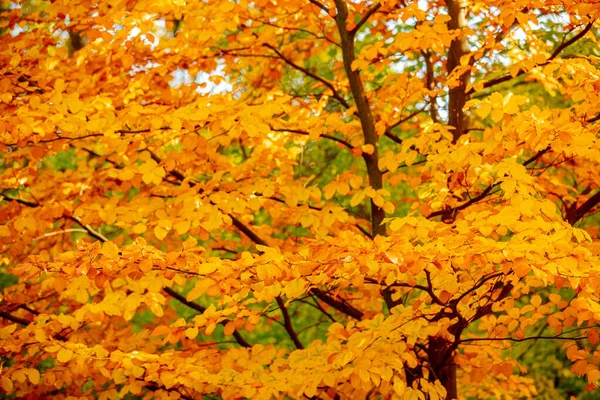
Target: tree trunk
(447, 375)
(457, 97)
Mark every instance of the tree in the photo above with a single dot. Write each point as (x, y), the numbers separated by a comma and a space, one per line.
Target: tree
(308, 198)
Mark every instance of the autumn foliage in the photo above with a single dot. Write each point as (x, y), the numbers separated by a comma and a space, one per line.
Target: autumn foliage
(324, 199)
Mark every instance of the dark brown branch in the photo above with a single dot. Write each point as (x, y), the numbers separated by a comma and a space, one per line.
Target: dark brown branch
(457, 97)
(93, 233)
(485, 193)
(12, 318)
(366, 17)
(24, 322)
(23, 202)
(388, 131)
(174, 173)
(364, 231)
(287, 28)
(247, 231)
(430, 83)
(524, 339)
(321, 6)
(451, 211)
(238, 337)
(287, 323)
(555, 54)
(577, 213)
(481, 282)
(342, 307)
(300, 132)
(336, 95)
(365, 114)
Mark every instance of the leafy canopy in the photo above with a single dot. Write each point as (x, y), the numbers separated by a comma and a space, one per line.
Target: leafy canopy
(324, 199)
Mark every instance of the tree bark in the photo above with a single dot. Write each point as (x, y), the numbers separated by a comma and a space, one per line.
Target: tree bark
(457, 97)
(364, 114)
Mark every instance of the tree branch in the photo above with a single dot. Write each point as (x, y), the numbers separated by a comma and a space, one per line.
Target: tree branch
(344, 308)
(335, 93)
(388, 131)
(93, 233)
(430, 83)
(287, 323)
(12, 318)
(366, 17)
(23, 202)
(486, 191)
(524, 339)
(578, 213)
(238, 337)
(555, 54)
(321, 6)
(364, 113)
(300, 132)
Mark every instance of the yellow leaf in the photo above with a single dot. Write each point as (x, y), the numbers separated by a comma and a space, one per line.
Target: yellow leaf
(15, 60)
(160, 232)
(207, 268)
(74, 104)
(229, 328)
(146, 265)
(510, 108)
(152, 172)
(389, 207)
(191, 333)
(497, 115)
(306, 220)
(343, 188)
(295, 288)
(357, 198)
(356, 181)
(139, 228)
(399, 386)
(509, 186)
(34, 375)
(486, 230)
(397, 224)
(64, 355)
(126, 174)
(182, 226)
(484, 110)
(4, 231)
(344, 358)
(329, 190)
(578, 95)
(7, 384)
(137, 371)
(110, 250)
(368, 148)
(359, 64)
(593, 376)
